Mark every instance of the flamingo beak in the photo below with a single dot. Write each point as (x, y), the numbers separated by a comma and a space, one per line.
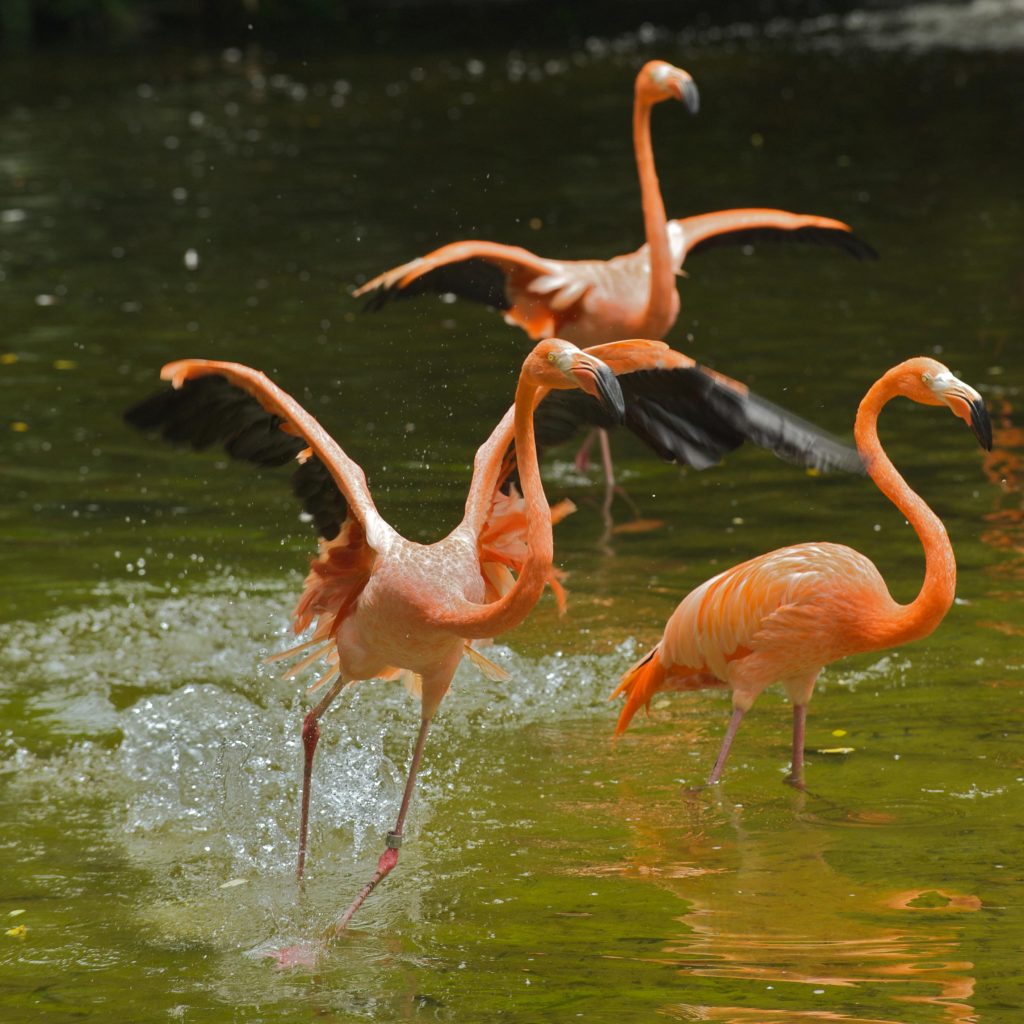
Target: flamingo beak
(979, 422)
(595, 378)
(970, 407)
(685, 90)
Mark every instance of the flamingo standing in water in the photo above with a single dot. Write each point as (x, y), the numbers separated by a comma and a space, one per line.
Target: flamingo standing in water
(595, 301)
(385, 606)
(783, 616)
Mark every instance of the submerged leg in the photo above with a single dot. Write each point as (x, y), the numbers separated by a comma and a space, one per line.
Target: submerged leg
(310, 737)
(796, 774)
(611, 488)
(723, 753)
(389, 858)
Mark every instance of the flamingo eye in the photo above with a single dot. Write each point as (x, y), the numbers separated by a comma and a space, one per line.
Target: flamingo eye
(552, 357)
(926, 378)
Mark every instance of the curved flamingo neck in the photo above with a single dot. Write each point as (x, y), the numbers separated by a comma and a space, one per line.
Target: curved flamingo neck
(479, 621)
(926, 611)
(662, 283)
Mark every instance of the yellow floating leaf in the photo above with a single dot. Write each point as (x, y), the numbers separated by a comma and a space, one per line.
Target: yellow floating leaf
(15, 913)
(64, 364)
(838, 732)
(232, 883)
(8, 358)
(19, 427)
(19, 931)
(836, 750)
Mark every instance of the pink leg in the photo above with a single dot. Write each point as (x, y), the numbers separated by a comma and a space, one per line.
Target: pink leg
(310, 738)
(723, 753)
(582, 460)
(389, 858)
(796, 775)
(611, 488)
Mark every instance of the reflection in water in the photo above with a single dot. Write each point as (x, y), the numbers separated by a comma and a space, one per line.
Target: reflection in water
(1004, 467)
(768, 911)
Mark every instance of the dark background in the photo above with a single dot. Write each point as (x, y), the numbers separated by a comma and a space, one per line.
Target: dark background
(392, 24)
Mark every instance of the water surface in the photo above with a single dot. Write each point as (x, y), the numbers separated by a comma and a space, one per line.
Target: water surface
(221, 205)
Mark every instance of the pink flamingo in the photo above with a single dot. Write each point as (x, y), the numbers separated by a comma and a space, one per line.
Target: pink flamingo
(385, 606)
(783, 616)
(594, 301)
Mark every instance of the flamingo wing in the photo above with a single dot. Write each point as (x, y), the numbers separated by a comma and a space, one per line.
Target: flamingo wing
(750, 226)
(777, 614)
(475, 270)
(689, 414)
(230, 404)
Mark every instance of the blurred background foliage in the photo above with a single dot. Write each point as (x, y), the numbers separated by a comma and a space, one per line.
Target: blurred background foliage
(26, 24)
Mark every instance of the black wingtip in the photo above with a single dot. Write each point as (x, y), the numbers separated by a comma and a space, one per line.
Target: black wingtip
(861, 250)
(981, 424)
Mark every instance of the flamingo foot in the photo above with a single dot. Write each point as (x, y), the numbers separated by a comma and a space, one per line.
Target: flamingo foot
(303, 954)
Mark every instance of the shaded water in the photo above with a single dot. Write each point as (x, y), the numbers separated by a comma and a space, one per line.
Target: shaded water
(149, 761)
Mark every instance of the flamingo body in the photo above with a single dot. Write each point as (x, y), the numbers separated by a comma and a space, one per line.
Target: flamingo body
(782, 616)
(381, 605)
(593, 301)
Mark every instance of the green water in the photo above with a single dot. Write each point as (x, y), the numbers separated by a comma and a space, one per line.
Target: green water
(147, 756)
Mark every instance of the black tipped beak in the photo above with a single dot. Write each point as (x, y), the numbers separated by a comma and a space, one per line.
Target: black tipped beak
(981, 425)
(609, 394)
(689, 95)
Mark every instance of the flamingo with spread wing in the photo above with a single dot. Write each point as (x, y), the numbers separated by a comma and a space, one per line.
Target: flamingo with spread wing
(594, 301)
(384, 606)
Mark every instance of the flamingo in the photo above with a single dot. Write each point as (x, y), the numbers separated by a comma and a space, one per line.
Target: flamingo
(594, 301)
(782, 616)
(385, 606)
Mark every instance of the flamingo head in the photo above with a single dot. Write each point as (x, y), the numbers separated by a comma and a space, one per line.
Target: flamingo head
(658, 80)
(927, 381)
(561, 366)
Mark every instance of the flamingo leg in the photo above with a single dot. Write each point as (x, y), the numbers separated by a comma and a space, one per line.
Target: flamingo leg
(389, 858)
(796, 774)
(310, 738)
(582, 460)
(723, 753)
(611, 488)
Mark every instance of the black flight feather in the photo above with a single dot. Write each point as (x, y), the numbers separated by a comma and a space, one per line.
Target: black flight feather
(691, 417)
(475, 279)
(834, 237)
(210, 410)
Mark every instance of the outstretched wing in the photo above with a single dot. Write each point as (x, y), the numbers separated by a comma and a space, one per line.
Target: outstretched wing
(750, 226)
(689, 414)
(227, 403)
(475, 270)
